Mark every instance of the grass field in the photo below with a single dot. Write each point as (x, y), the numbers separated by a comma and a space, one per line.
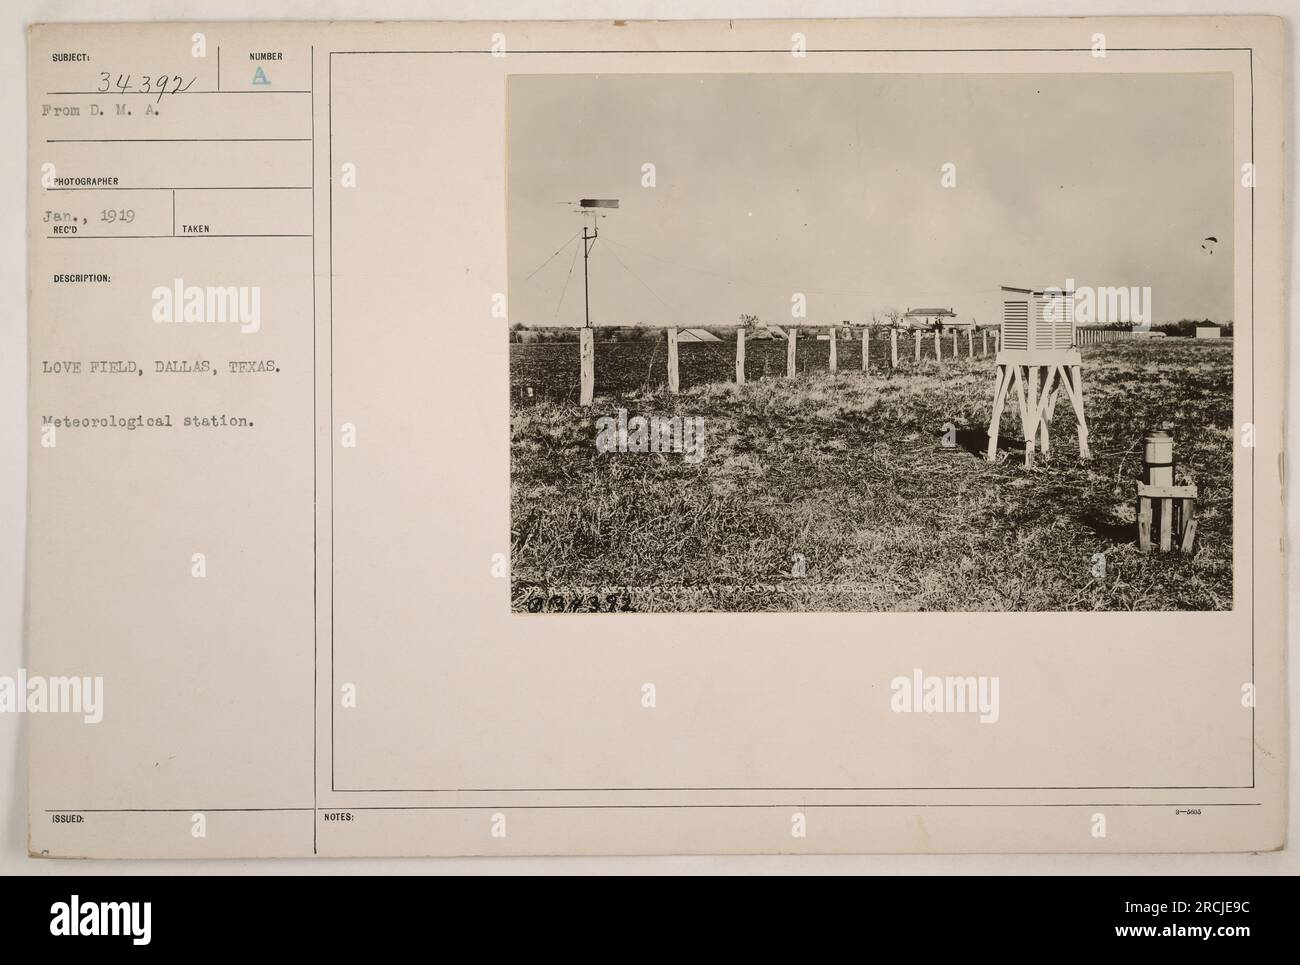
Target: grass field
(849, 472)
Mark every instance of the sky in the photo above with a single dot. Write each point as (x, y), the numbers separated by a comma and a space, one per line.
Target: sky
(830, 185)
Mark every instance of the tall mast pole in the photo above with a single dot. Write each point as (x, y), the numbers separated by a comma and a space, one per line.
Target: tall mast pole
(589, 235)
(586, 288)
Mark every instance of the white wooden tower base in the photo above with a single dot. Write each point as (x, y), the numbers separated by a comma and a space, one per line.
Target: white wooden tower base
(1034, 380)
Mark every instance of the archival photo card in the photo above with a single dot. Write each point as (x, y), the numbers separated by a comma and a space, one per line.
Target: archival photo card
(588, 438)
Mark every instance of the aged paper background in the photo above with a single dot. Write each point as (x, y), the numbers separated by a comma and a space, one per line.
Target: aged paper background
(504, 699)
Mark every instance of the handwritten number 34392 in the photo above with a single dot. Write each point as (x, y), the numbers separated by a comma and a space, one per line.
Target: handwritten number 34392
(159, 84)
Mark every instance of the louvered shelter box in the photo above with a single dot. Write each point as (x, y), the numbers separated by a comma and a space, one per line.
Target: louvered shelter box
(1015, 319)
(1034, 321)
(1037, 359)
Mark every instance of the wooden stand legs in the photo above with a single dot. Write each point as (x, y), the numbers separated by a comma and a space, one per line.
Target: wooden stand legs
(1037, 388)
(1168, 512)
(1001, 383)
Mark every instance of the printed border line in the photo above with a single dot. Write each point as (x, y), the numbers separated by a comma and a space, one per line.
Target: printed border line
(835, 789)
(200, 810)
(811, 50)
(628, 807)
(1254, 699)
(330, 147)
(315, 443)
(1252, 551)
(149, 93)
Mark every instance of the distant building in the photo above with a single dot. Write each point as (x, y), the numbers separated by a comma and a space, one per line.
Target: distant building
(927, 318)
(1208, 331)
(696, 335)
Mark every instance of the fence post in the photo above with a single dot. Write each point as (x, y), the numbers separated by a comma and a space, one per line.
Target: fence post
(954, 343)
(587, 358)
(740, 354)
(893, 348)
(938, 353)
(916, 346)
(674, 379)
(986, 341)
(970, 343)
(789, 351)
(832, 348)
(866, 347)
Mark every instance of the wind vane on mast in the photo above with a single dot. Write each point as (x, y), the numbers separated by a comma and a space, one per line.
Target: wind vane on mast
(590, 207)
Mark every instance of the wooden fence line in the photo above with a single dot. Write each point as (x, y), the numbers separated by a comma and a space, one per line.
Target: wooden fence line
(587, 352)
(587, 356)
(674, 377)
(1096, 335)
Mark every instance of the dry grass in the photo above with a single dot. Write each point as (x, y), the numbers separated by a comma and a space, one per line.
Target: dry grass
(850, 472)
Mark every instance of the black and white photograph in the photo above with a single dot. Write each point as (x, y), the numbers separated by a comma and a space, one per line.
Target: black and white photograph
(865, 342)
